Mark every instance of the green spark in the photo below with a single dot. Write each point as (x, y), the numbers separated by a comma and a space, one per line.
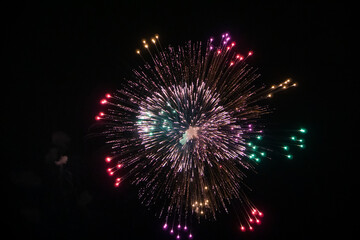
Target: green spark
(303, 130)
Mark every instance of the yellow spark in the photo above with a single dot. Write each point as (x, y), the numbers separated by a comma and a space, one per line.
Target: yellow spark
(273, 86)
(137, 51)
(153, 40)
(294, 85)
(157, 36)
(146, 46)
(206, 187)
(144, 41)
(269, 95)
(202, 212)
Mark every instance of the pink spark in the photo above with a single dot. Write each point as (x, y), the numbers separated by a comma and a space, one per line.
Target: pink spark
(165, 226)
(108, 95)
(190, 235)
(172, 231)
(97, 118)
(250, 53)
(103, 101)
(101, 114)
(108, 159)
(243, 229)
(178, 236)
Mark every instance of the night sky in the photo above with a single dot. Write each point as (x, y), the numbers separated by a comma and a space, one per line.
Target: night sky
(62, 57)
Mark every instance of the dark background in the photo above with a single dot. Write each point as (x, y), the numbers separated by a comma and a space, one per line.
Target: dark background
(62, 57)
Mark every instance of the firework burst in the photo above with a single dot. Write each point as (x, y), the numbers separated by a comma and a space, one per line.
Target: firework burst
(183, 128)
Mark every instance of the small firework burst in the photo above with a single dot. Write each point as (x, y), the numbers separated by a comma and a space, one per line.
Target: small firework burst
(184, 130)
